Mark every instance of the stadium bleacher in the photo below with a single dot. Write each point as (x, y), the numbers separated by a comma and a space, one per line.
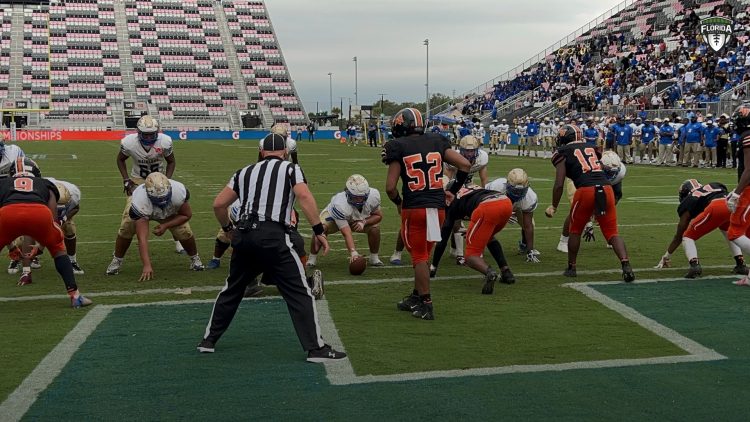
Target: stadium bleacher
(187, 61)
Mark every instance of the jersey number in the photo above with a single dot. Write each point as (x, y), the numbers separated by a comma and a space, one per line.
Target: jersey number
(23, 184)
(146, 169)
(703, 191)
(588, 160)
(418, 176)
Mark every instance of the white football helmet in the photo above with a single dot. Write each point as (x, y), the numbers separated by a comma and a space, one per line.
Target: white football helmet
(158, 189)
(611, 164)
(148, 130)
(469, 147)
(280, 129)
(357, 190)
(64, 194)
(517, 184)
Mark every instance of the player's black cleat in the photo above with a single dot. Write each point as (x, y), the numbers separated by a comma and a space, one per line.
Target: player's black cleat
(570, 271)
(627, 272)
(507, 277)
(489, 281)
(695, 270)
(423, 311)
(409, 303)
(740, 269)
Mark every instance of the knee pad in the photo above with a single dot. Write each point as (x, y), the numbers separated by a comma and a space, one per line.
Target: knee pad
(69, 229)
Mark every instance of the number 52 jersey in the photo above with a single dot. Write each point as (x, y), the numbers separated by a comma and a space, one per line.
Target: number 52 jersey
(582, 164)
(145, 161)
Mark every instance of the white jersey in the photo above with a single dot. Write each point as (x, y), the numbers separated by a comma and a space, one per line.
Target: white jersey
(521, 130)
(527, 204)
(291, 145)
(11, 153)
(75, 197)
(637, 129)
(547, 129)
(504, 128)
(142, 207)
(620, 175)
(479, 163)
(344, 213)
(478, 132)
(494, 129)
(146, 162)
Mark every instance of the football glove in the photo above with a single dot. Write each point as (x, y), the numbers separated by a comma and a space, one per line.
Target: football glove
(128, 186)
(433, 271)
(732, 201)
(513, 219)
(664, 262)
(588, 232)
(533, 256)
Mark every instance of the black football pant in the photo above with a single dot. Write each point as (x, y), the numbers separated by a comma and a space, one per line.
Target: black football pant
(721, 152)
(267, 249)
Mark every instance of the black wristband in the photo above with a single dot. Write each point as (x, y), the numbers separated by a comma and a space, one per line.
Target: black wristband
(397, 200)
(460, 180)
(318, 229)
(228, 228)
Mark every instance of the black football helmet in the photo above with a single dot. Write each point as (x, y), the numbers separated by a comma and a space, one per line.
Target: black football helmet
(568, 134)
(406, 122)
(24, 167)
(688, 186)
(741, 118)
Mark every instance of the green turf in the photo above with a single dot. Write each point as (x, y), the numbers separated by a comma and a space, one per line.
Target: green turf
(534, 308)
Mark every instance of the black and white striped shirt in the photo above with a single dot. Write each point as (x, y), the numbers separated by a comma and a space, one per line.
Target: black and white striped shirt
(265, 189)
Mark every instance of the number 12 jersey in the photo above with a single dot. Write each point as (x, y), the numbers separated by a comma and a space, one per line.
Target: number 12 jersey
(582, 164)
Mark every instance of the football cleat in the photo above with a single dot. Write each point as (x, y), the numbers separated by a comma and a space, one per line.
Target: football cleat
(409, 303)
(744, 281)
(489, 281)
(13, 267)
(213, 264)
(196, 264)
(570, 271)
(25, 279)
(35, 264)
(395, 259)
(695, 270)
(376, 263)
(206, 346)
(460, 260)
(423, 311)
(114, 266)
(316, 284)
(324, 354)
(740, 269)
(77, 270)
(627, 272)
(80, 301)
(507, 277)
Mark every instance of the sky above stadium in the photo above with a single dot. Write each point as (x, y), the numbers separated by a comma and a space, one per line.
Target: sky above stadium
(471, 42)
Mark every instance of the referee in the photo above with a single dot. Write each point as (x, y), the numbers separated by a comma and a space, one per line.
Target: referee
(267, 191)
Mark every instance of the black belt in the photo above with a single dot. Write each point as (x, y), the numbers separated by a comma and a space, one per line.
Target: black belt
(247, 223)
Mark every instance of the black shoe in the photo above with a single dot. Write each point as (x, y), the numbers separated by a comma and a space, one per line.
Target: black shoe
(570, 271)
(627, 272)
(408, 303)
(489, 282)
(424, 311)
(695, 270)
(740, 269)
(206, 346)
(253, 290)
(324, 354)
(507, 277)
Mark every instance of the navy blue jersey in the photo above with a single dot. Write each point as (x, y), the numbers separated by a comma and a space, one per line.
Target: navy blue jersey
(699, 198)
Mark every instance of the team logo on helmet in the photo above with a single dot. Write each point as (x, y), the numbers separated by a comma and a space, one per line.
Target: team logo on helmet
(716, 31)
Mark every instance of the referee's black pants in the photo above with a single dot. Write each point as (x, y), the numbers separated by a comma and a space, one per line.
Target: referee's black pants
(267, 249)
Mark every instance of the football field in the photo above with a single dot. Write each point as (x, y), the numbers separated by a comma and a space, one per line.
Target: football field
(590, 348)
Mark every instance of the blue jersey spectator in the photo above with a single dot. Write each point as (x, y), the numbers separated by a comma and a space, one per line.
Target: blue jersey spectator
(623, 133)
(693, 132)
(648, 133)
(666, 133)
(711, 134)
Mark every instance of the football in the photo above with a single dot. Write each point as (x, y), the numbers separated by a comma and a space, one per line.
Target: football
(358, 265)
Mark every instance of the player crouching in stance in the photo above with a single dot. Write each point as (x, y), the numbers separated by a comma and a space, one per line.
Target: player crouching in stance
(516, 188)
(702, 209)
(357, 209)
(738, 200)
(489, 212)
(28, 204)
(593, 196)
(165, 201)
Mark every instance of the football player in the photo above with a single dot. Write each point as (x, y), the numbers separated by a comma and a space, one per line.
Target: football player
(8, 156)
(149, 150)
(167, 202)
(702, 209)
(27, 206)
(516, 188)
(356, 209)
(494, 137)
(504, 128)
(593, 196)
(417, 159)
(738, 200)
(489, 212)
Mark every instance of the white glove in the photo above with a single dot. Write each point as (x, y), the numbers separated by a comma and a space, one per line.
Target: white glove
(433, 271)
(359, 226)
(732, 201)
(664, 262)
(533, 256)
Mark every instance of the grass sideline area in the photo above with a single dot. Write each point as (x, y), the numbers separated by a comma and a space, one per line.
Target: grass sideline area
(535, 321)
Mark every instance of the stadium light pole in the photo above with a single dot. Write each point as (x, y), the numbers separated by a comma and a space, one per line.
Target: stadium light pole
(427, 81)
(356, 100)
(381, 102)
(330, 91)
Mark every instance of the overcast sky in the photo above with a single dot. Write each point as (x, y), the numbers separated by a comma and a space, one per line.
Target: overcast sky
(471, 42)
